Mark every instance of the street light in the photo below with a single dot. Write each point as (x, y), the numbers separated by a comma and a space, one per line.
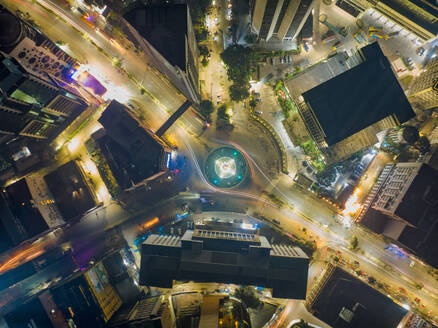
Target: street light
(73, 145)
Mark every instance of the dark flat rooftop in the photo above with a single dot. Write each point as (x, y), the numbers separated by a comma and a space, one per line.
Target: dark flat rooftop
(165, 27)
(345, 290)
(427, 6)
(359, 97)
(71, 192)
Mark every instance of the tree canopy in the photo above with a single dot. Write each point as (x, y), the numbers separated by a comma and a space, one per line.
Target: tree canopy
(206, 109)
(410, 134)
(238, 60)
(248, 296)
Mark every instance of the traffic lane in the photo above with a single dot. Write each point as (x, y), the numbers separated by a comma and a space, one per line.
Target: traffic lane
(151, 80)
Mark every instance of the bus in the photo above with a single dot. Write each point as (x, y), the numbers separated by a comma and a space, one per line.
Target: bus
(375, 29)
(379, 35)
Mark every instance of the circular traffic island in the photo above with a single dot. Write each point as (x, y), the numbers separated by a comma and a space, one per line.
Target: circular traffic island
(225, 167)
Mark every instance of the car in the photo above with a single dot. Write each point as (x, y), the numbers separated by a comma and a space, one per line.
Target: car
(258, 99)
(281, 60)
(257, 94)
(272, 61)
(289, 59)
(258, 112)
(276, 221)
(306, 46)
(420, 51)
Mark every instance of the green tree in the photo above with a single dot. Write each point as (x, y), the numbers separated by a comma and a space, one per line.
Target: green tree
(253, 103)
(248, 296)
(222, 112)
(239, 92)
(301, 324)
(423, 144)
(206, 109)
(354, 243)
(410, 134)
(238, 60)
(371, 280)
(203, 51)
(250, 37)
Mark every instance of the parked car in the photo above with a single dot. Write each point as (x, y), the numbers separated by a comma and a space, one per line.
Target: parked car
(272, 60)
(306, 46)
(420, 51)
(289, 59)
(276, 221)
(281, 60)
(258, 112)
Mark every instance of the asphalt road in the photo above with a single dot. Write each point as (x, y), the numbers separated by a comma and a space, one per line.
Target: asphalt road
(301, 209)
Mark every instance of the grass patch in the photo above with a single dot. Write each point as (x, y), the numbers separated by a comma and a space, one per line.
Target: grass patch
(315, 154)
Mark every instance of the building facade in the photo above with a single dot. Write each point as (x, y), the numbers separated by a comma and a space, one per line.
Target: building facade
(403, 206)
(418, 17)
(35, 52)
(342, 300)
(424, 91)
(347, 113)
(31, 106)
(134, 153)
(283, 19)
(166, 35)
(224, 257)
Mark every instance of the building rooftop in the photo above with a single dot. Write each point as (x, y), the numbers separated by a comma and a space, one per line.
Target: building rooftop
(70, 190)
(224, 257)
(344, 290)
(134, 153)
(165, 27)
(10, 29)
(415, 10)
(358, 97)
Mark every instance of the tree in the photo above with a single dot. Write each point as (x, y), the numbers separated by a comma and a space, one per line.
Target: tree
(410, 134)
(253, 103)
(222, 112)
(248, 296)
(238, 60)
(250, 37)
(239, 92)
(371, 280)
(206, 109)
(203, 51)
(354, 243)
(423, 144)
(204, 61)
(301, 324)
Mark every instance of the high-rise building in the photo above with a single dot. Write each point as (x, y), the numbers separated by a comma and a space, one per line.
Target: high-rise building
(345, 114)
(403, 206)
(135, 154)
(224, 257)
(424, 91)
(283, 19)
(344, 301)
(418, 17)
(35, 52)
(165, 33)
(31, 106)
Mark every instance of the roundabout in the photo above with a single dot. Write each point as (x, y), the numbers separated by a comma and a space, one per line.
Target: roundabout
(225, 167)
